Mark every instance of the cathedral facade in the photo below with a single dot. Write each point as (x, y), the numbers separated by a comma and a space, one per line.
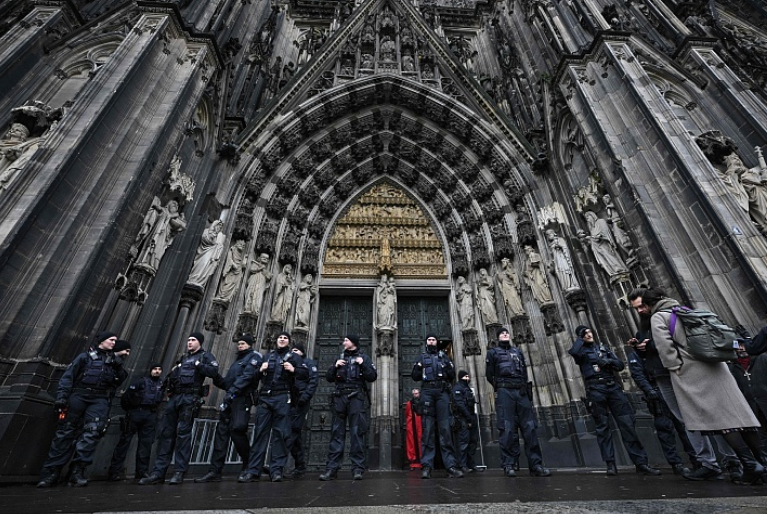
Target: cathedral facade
(388, 168)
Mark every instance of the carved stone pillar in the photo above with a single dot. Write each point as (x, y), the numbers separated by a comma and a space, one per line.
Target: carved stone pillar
(471, 342)
(214, 321)
(246, 324)
(299, 335)
(552, 323)
(521, 329)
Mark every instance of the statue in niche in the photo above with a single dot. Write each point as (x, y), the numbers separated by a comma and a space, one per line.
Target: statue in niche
(602, 245)
(15, 152)
(427, 71)
(208, 254)
(307, 293)
(535, 276)
(388, 47)
(235, 264)
(259, 280)
(508, 283)
(408, 64)
(283, 294)
(368, 32)
(562, 266)
(387, 19)
(160, 226)
(465, 300)
(622, 239)
(755, 187)
(734, 168)
(486, 297)
(347, 68)
(386, 303)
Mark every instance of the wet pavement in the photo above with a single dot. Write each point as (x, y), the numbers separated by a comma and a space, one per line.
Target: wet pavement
(568, 491)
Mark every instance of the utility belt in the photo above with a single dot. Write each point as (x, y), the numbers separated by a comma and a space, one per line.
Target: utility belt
(274, 392)
(150, 408)
(510, 384)
(349, 387)
(434, 384)
(187, 390)
(595, 381)
(92, 391)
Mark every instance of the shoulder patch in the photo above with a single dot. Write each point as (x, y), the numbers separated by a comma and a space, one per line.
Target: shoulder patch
(214, 363)
(314, 369)
(253, 362)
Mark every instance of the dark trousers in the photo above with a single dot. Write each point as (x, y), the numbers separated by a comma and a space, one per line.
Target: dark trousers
(667, 427)
(467, 438)
(515, 412)
(351, 411)
(144, 423)
(295, 441)
(606, 400)
(232, 424)
(272, 414)
(175, 441)
(436, 419)
(80, 431)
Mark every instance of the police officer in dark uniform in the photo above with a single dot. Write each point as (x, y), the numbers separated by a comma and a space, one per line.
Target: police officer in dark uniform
(351, 373)
(234, 411)
(140, 402)
(468, 430)
(82, 400)
(185, 391)
(305, 387)
(645, 365)
(604, 396)
(278, 372)
(506, 370)
(435, 369)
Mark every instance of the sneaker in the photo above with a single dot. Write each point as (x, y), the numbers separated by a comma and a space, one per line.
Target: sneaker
(703, 473)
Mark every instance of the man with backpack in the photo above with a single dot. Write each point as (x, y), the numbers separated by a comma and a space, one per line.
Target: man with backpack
(140, 403)
(708, 396)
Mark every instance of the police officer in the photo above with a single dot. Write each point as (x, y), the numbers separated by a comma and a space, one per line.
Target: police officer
(645, 366)
(234, 411)
(605, 396)
(185, 391)
(468, 431)
(351, 373)
(305, 387)
(278, 372)
(435, 369)
(140, 402)
(84, 393)
(506, 370)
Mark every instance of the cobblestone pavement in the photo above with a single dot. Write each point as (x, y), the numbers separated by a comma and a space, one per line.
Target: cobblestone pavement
(568, 491)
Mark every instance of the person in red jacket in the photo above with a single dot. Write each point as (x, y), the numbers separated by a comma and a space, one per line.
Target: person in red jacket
(413, 430)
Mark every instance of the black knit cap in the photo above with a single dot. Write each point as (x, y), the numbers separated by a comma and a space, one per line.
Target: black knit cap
(501, 331)
(300, 347)
(284, 333)
(247, 338)
(580, 330)
(198, 336)
(121, 345)
(432, 335)
(354, 338)
(462, 373)
(155, 365)
(103, 336)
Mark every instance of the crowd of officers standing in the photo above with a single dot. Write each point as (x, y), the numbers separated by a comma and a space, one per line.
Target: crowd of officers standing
(280, 385)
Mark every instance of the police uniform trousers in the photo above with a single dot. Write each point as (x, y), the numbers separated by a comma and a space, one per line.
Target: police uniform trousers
(176, 433)
(436, 419)
(232, 424)
(468, 437)
(609, 399)
(667, 427)
(295, 441)
(141, 421)
(81, 429)
(272, 415)
(348, 407)
(515, 412)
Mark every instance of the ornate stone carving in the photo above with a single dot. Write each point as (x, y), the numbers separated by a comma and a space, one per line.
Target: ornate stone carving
(486, 297)
(471, 342)
(283, 295)
(535, 276)
(289, 248)
(523, 332)
(552, 323)
(464, 296)
(385, 347)
(307, 293)
(267, 238)
(386, 304)
(588, 196)
(247, 323)
(214, 320)
(603, 246)
(508, 284)
(232, 272)
(159, 228)
(208, 255)
(622, 239)
(562, 265)
(258, 283)
(180, 182)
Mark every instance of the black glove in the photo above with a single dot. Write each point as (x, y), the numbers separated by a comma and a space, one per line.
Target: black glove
(604, 362)
(60, 405)
(117, 361)
(302, 401)
(652, 396)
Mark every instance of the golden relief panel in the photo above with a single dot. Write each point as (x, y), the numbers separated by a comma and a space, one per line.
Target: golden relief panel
(385, 231)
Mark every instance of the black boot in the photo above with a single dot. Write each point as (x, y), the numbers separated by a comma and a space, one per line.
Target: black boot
(78, 476)
(753, 471)
(49, 478)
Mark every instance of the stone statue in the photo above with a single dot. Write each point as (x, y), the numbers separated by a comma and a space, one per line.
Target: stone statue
(508, 283)
(756, 189)
(283, 294)
(160, 226)
(235, 263)
(15, 151)
(603, 246)
(464, 298)
(208, 254)
(486, 297)
(562, 266)
(622, 239)
(386, 303)
(307, 293)
(535, 276)
(731, 178)
(259, 280)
